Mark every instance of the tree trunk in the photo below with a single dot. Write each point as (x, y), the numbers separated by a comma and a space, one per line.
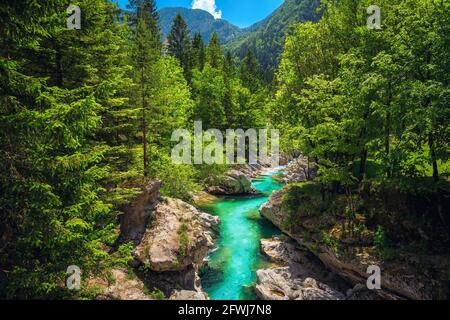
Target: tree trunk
(308, 176)
(433, 157)
(322, 191)
(363, 154)
(362, 165)
(387, 143)
(144, 124)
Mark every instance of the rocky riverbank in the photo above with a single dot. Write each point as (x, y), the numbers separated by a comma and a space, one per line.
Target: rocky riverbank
(298, 170)
(238, 181)
(297, 274)
(171, 240)
(235, 182)
(400, 277)
(294, 274)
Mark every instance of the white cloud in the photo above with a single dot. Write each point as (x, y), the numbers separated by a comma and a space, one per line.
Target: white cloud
(207, 5)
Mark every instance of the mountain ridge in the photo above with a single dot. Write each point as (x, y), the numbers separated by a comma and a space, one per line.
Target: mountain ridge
(266, 37)
(199, 21)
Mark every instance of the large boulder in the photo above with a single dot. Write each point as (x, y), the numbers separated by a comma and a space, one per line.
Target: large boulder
(177, 237)
(294, 275)
(188, 295)
(123, 285)
(126, 284)
(271, 210)
(299, 170)
(285, 283)
(171, 239)
(134, 219)
(234, 182)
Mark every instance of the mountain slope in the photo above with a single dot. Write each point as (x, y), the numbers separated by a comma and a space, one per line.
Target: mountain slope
(199, 21)
(266, 38)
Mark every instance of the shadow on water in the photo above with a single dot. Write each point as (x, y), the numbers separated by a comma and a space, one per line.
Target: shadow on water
(230, 273)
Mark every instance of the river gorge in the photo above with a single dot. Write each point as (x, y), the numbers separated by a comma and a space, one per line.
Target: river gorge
(230, 272)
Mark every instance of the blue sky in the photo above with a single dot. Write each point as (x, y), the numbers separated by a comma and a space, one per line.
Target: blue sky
(242, 13)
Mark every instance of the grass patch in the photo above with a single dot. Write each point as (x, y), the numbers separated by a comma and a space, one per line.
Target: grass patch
(184, 239)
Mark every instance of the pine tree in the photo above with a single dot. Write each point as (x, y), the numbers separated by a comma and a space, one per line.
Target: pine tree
(53, 215)
(214, 55)
(229, 67)
(180, 45)
(144, 9)
(250, 72)
(198, 52)
(147, 50)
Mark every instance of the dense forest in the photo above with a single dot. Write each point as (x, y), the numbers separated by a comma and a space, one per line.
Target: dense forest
(86, 118)
(370, 109)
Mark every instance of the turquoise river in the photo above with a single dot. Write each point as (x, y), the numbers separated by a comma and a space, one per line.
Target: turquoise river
(231, 270)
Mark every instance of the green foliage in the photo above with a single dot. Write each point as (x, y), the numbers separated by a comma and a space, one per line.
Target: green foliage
(380, 239)
(53, 213)
(360, 102)
(179, 44)
(303, 200)
(209, 87)
(330, 241)
(382, 244)
(250, 72)
(145, 51)
(214, 54)
(198, 52)
(179, 181)
(184, 240)
(158, 295)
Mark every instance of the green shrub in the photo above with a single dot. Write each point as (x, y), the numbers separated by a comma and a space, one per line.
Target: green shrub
(158, 295)
(184, 239)
(330, 241)
(303, 199)
(380, 239)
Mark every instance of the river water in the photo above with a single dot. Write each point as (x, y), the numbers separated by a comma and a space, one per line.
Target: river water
(231, 269)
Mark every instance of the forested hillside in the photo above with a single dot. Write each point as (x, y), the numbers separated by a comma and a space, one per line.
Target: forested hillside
(266, 38)
(86, 120)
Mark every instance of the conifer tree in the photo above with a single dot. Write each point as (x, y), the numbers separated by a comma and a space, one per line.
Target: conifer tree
(198, 52)
(214, 54)
(147, 50)
(250, 72)
(144, 9)
(52, 96)
(180, 45)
